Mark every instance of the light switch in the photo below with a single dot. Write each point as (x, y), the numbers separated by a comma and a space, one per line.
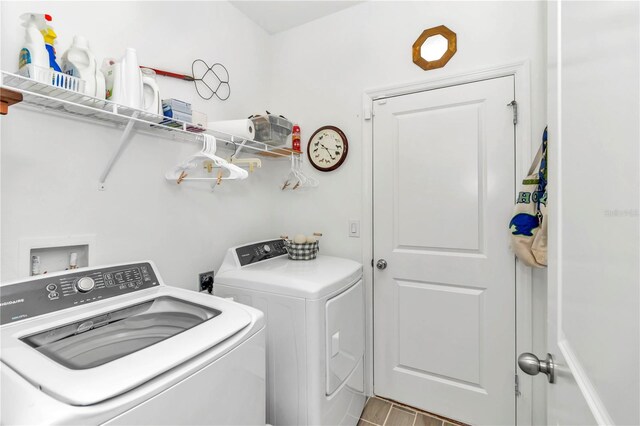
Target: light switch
(354, 228)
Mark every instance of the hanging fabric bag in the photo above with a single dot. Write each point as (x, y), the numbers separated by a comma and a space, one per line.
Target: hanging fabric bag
(528, 226)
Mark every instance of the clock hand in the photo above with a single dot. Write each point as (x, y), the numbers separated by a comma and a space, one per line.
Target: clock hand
(329, 152)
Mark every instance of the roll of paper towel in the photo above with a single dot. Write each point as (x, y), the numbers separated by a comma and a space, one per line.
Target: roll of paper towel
(242, 128)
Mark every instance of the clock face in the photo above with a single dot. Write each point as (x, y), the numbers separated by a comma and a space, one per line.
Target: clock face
(327, 148)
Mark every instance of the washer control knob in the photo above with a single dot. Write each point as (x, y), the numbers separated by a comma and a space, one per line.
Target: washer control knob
(85, 284)
(266, 248)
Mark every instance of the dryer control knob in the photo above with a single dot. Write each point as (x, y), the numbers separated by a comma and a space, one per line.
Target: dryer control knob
(266, 248)
(85, 284)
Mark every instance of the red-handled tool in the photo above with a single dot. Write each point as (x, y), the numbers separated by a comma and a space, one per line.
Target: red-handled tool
(171, 74)
(209, 81)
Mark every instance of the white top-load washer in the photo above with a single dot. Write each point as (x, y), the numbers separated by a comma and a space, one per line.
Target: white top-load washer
(314, 311)
(114, 345)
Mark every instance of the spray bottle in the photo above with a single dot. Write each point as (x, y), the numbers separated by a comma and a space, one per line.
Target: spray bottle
(49, 38)
(34, 51)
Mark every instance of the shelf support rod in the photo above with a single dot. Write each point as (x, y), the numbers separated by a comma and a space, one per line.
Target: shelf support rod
(244, 141)
(126, 137)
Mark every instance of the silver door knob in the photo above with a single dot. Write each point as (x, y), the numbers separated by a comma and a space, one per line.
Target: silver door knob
(382, 264)
(530, 364)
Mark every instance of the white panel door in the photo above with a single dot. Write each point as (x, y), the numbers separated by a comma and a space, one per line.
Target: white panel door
(444, 309)
(594, 196)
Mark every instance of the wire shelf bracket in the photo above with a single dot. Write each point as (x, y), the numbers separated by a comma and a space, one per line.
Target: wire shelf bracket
(126, 137)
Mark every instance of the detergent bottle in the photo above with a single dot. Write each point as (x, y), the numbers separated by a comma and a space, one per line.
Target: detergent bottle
(33, 51)
(49, 38)
(79, 61)
(151, 101)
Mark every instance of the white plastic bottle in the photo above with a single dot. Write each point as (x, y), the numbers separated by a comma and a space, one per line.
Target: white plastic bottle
(151, 92)
(78, 61)
(101, 88)
(127, 81)
(132, 77)
(109, 68)
(34, 51)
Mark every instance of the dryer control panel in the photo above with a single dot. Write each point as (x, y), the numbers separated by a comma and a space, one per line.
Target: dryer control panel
(41, 294)
(257, 252)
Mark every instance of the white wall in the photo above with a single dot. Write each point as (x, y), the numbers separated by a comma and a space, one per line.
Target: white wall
(321, 69)
(50, 166)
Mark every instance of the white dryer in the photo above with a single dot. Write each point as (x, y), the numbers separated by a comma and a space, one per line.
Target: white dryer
(114, 345)
(314, 311)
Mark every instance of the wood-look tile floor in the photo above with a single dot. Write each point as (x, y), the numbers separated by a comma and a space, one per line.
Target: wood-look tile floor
(382, 412)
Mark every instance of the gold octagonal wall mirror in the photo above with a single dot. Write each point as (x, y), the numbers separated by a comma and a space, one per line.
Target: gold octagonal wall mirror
(434, 48)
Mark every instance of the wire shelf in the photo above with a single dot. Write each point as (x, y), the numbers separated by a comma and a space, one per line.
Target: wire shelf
(59, 101)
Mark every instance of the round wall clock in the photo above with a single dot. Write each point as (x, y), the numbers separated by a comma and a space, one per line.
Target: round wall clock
(327, 148)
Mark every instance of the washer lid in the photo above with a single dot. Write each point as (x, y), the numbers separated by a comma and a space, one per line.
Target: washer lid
(83, 358)
(309, 279)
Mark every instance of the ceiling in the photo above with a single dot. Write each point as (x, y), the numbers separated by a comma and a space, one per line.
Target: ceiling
(276, 16)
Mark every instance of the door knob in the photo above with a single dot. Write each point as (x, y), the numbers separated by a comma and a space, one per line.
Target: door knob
(382, 264)
(530, 364)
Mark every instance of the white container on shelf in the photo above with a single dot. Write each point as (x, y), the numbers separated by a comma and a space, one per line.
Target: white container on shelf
(124, 80)
(151, 92)
(101, 90)
(52, 78)
(33, 51)
(79, 61)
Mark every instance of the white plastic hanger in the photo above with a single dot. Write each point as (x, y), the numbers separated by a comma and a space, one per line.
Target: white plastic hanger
(307, 181)
(291, 179)
(179, 173)
(296, 179)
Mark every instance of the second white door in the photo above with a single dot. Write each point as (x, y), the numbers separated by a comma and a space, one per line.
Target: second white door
(444, 307)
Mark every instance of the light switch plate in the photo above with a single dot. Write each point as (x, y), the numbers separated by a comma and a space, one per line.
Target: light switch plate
(354, 228)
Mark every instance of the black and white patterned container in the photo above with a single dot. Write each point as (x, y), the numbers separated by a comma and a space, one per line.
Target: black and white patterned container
(305, 251)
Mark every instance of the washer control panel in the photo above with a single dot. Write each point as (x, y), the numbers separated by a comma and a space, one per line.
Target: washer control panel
(42, 295)
(257, 252)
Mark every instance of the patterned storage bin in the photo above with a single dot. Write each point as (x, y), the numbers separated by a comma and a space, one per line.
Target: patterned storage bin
(306, 251)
